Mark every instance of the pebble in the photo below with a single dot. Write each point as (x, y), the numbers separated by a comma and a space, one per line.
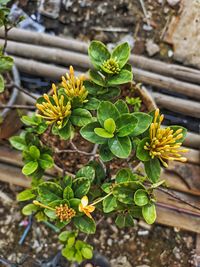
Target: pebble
(173, 2)
(121, 261)
(109, 242)
(152, 48)
(143, 232)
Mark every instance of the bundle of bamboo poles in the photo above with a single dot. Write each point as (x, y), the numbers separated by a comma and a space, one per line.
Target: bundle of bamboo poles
(33, 52)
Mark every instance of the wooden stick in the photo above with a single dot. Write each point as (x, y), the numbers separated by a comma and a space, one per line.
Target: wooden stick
(172, 70)
(187, 107)
(192, 140)
(2, 106)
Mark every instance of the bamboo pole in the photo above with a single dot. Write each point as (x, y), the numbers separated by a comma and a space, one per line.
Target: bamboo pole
(173, 70)
(187, 107)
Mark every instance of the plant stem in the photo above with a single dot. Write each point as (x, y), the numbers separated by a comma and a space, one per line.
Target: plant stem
(19, 88)
(101, 199)
(37, 203)
(5, 39)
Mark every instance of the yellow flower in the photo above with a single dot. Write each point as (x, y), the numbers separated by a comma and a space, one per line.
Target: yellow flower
(74, 87)
(164, 142)
(54, 112)
(84, 207)
(111, 66)
(64, 213)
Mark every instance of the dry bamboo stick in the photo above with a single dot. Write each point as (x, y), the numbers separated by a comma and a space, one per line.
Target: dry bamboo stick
(187, 107)
(67, 58)
(192, 140)
(173, 70)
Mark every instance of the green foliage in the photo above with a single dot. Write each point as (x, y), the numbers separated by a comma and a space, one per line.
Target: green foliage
(153, 169)
(135, 102)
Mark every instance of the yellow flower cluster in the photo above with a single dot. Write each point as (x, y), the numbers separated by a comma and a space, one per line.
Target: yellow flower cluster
(111, 66)
(74, 87)
(164, 142)
(64, 213)
(54, 112)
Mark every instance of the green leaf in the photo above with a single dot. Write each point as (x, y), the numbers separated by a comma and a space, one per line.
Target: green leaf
(88, 133)
(103, 133)
(69, 253)
(143, 154)
(50, 213)
(144, 121)
(74, 204)
(106, 111)
(87, 253)
(92, 88)
(18, 142)
(97, 78)
(125, 175)
(30, 167)
(49, 192)
(46, 161)
(126, 123)
(184, 132)
(122, 53)
(105, 153)
(87, 172)
(92, 104)
(80, 117)
(63, 237)
(67, 180)
(68, 193)
(121, 106)
(100, 173)
(25, 195)
(120, 220)
(141, 197)
(109, 204)
(109, 125)
(2, 84)
(34, 152)
(98, 53)
(110, 93)
(149, 213)
(29, 209)
(124, 192)
(81, 186)
(85, 224)
(6, 63)
(66, 132)
(120, 146)
(124, 76)
(106, 187)
(153, 169)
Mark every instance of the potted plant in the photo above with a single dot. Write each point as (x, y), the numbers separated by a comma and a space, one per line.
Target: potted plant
(9, 82)
(95, 110)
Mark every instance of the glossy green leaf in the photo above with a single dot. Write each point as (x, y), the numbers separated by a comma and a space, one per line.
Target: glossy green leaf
(68, 193)
(121, 106)
(144, 121)
(153, 169)
(120, 146)
(46, 161)
(103, 133)
(80, 117)
(126, 124)
(85, 224)
(81, 186)
(98, 53)
(87, 171)
(141, 153)
(125, 175)
(109, 125)
(88, 133)
(97, 78)
(30, 168)
(25, 195)
(106, 111)
(87, 253)
(120, 220)
(29, 209)
(34, 152)
(6, 63)
(109, 204)
(149, 213)
(105, 153)
(141, 197)
(124, 76)
(66, 132)
(18, 142)
(121, 53)
(92, 104)
(49, 192)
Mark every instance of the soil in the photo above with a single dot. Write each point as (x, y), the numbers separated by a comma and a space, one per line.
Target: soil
(140, 246)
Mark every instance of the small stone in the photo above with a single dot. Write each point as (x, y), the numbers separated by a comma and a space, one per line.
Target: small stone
(147, 28)
(109, 242)
(173, 2)
(170, 53)
(152, 48)
(121, 261)
(176, 252)
(143, 232)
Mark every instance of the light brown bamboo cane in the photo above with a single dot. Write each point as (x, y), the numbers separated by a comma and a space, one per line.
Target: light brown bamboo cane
(67, 58)
(187, 107)
(172, 70)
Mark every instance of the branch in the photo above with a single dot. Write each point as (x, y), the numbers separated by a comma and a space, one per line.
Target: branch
(2, 106)
(19, 88)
